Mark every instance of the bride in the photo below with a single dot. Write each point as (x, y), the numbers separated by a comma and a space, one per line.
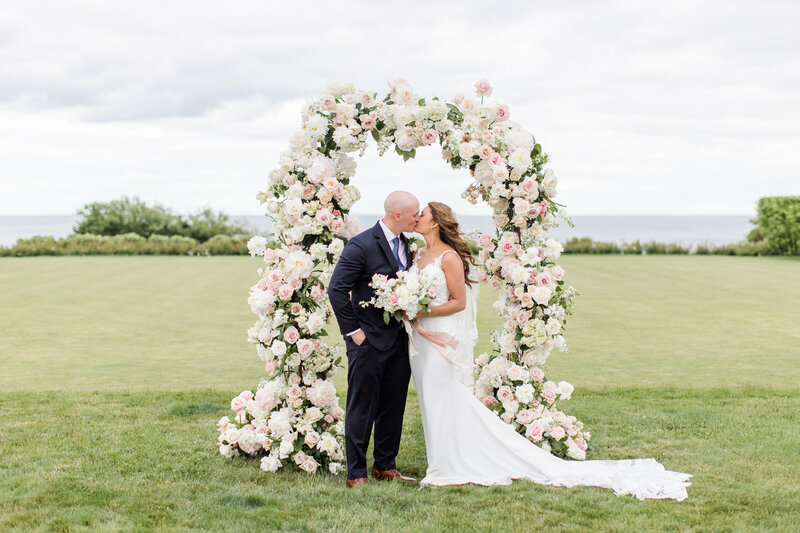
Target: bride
(464, 440)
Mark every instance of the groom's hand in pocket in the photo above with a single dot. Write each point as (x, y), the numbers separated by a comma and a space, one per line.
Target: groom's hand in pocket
(359, 337)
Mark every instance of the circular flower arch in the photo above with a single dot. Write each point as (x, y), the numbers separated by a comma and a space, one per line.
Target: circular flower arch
(294, 418)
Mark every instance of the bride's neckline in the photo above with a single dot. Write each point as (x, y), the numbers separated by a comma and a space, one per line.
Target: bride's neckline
(435, 259)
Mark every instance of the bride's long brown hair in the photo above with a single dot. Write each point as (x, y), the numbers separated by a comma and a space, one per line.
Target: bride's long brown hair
(450, 233)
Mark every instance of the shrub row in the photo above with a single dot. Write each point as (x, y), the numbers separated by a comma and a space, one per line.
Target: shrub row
(586, 245)
(134, 244)
(126, 244)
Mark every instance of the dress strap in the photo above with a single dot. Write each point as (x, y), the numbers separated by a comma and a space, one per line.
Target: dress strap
(438, 260)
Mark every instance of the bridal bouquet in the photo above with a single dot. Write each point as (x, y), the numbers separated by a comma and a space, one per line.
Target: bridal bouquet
(407, 294)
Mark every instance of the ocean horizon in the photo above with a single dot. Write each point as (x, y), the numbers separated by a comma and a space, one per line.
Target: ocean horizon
(686, 230)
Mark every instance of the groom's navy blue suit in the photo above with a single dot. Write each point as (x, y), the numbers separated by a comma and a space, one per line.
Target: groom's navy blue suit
(378, 370)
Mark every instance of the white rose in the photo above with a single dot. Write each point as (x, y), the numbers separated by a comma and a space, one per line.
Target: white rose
(270, 463)
(286, 448)
(278, 348)
(257, 245)
(565, 390)
(542, 295)
(548, 185)
(553, 326)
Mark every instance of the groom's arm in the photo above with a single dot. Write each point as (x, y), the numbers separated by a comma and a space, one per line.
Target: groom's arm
(348, 270)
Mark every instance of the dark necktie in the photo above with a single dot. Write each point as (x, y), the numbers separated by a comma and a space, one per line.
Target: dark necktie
(396, 252)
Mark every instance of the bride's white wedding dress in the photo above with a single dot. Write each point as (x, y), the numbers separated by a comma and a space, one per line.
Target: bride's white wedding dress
(468, 443)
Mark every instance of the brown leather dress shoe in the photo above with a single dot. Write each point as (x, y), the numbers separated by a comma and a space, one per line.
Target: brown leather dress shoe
(355, 482)
(391, 475)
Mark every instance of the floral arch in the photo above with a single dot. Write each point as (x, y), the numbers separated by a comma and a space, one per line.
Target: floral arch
(294, 417)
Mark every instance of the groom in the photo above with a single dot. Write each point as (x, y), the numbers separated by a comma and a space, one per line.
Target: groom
(377, 354)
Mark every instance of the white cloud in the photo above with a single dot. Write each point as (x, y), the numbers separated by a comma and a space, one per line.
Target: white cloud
(644, 107)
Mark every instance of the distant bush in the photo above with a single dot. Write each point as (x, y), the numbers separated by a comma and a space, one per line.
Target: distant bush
(585, 245)
(131, 215)
(779, 224)
(126, 244)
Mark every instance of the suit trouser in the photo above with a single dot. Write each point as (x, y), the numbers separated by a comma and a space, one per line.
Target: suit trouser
(377, 386)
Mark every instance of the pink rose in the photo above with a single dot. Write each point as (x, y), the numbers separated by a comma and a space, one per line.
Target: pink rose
(312, 438)
(298, 403)
(296, 308)
(327, 103)
(429, 136)
(495, 283)
(247, 395)
(337, 412)
(507, 247)
(489, 400)
(500, 220)
(367, 121)
(295, 283)
(308, 192)
(556, 272)
(580, 442)
(558, 433)
(394, 298)
(317, 293)
(294, 391)
(482, 276)
(328, 419)
(534, 432)
(305, 346)
(485, 241)
(272, 367)
(528, 185)
(500, 112)
(549, 395)
(337, 225)
(495, 159)
(482, 88)
(525, 417)
(238, 403)
(504, 394)
(274, 277)
(265, 400)
(285, 291)
(291, 335)
(537, 374)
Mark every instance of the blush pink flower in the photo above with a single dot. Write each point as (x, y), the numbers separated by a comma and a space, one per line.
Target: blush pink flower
(305, 346)
(291, 335)
(285, 291)
(482, 88)
(500, 112)
(534, 432)
(237, 404)
(558, 433)
(429, 136)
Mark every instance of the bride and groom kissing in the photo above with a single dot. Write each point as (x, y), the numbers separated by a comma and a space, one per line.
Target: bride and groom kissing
(465, 442)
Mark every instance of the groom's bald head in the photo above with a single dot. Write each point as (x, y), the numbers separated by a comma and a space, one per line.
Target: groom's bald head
(401, 211)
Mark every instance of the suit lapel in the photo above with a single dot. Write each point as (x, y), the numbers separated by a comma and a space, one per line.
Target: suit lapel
(377, 232)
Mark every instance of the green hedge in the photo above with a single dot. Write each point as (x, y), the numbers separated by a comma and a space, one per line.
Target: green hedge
(586, 245)
(779, 224)
(127, 244)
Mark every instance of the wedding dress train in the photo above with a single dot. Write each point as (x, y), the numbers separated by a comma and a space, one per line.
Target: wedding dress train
(468, 443)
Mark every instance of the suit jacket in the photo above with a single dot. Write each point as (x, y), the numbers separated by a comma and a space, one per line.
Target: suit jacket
(365, 254)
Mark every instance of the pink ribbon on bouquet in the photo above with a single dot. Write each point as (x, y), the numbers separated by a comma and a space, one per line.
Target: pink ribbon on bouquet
(440, 341)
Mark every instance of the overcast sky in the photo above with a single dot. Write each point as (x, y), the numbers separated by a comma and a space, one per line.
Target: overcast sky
(644, 107)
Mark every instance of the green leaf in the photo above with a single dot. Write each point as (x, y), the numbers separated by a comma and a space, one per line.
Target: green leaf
(375, 134)
(421, 101)
(537, 149)
(386, 317)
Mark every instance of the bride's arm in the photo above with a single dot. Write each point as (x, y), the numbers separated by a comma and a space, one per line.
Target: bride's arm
(454, 273)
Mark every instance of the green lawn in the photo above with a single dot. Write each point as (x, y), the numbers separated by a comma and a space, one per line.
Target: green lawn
(115, 369)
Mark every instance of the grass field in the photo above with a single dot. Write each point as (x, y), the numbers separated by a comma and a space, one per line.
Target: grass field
(115, 369)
